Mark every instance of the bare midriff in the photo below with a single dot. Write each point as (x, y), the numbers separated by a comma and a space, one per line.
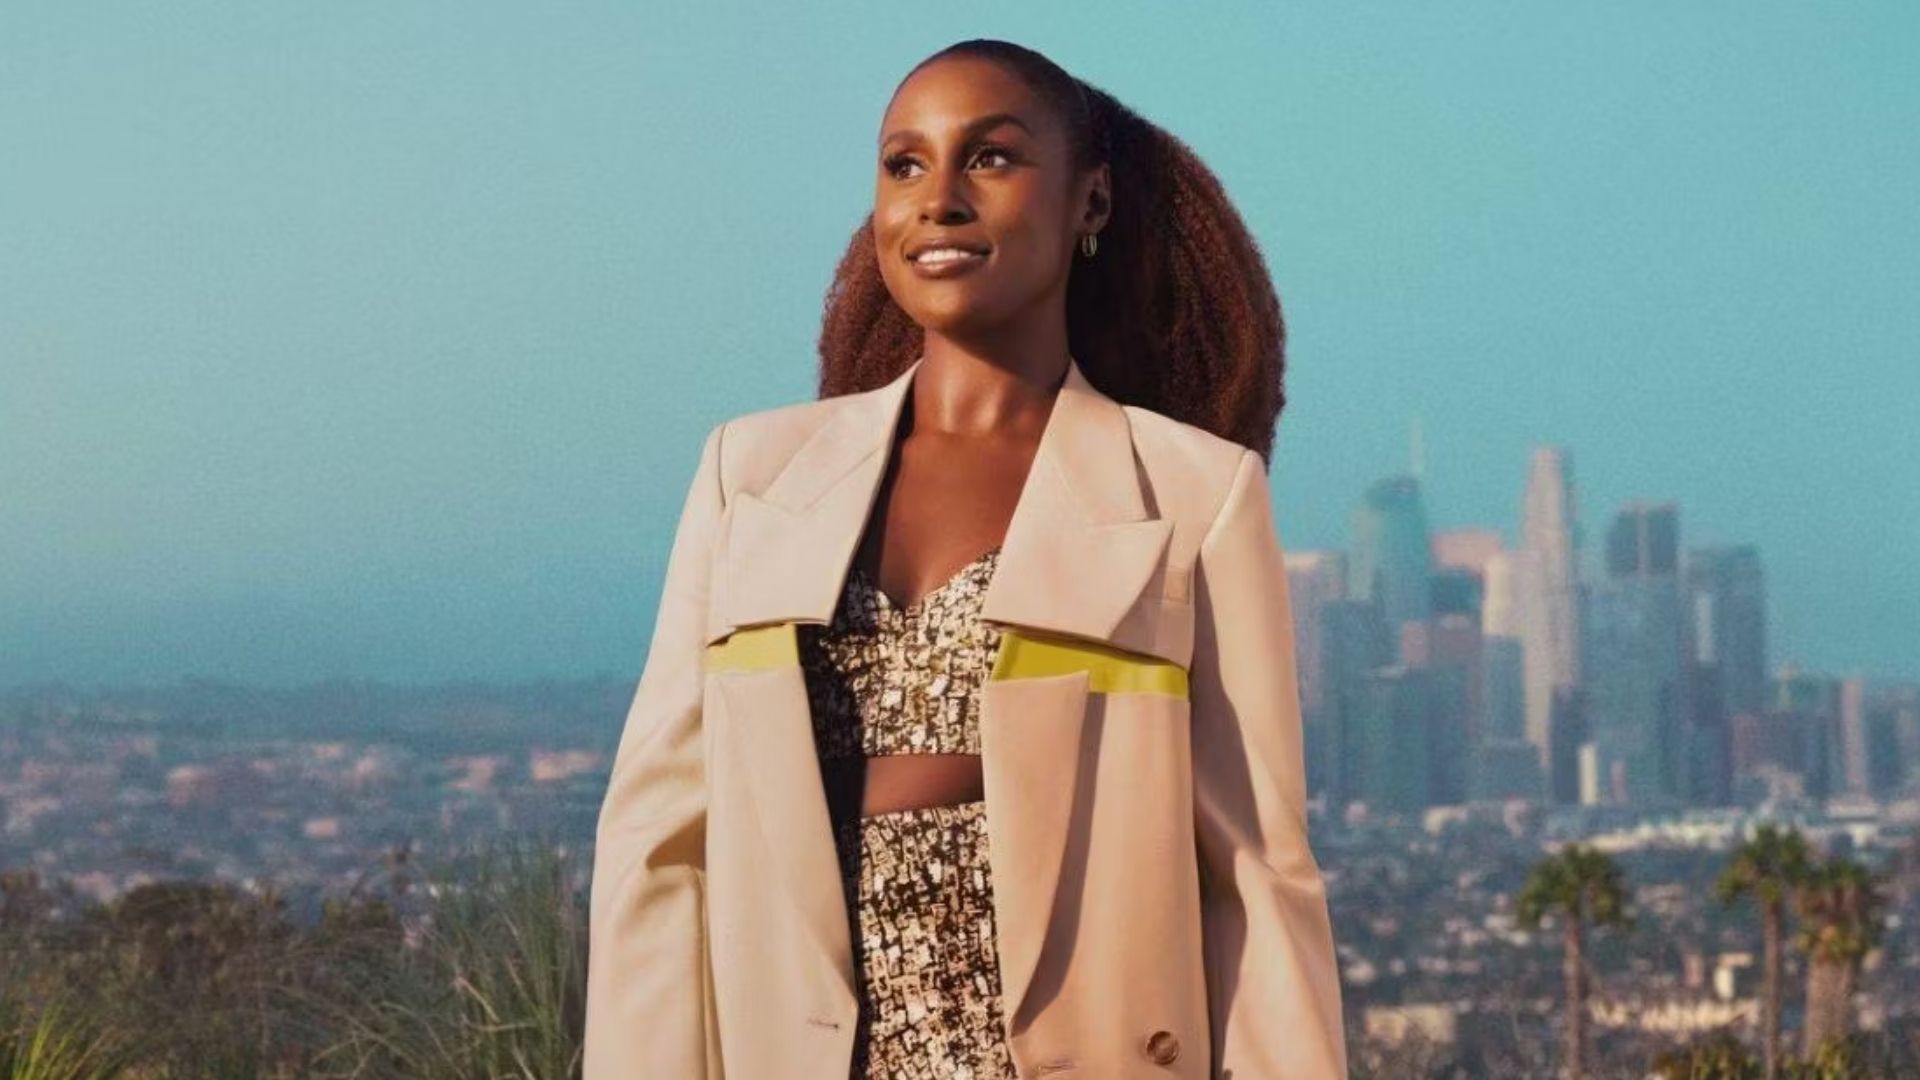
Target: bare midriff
(895, 782)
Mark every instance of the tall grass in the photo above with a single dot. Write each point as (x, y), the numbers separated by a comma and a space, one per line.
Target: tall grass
(474, 968)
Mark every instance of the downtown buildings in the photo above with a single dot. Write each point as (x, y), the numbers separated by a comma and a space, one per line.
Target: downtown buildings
(1440, 668)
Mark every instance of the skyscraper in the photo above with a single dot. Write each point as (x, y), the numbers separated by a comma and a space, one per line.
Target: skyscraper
(1503, 677)
(1725, 595)
(1314, 579)
(1814, 702)
(1637, 659)
(1548, 590)
(1728, 591)
(1392, 560)
(1396, 722)
(1353, 644)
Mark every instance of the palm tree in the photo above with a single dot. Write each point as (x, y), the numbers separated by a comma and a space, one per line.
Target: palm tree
(1577, 883)
(1839, 912)
(1767, 866)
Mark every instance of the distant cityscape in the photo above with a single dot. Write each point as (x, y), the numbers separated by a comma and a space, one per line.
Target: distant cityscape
(1438, 669)
(1468, 706)
(312, 788)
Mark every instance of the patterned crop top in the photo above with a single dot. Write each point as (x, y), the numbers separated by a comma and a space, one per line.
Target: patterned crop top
(886, 680)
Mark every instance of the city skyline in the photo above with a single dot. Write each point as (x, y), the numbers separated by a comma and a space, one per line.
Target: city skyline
(1606, 659)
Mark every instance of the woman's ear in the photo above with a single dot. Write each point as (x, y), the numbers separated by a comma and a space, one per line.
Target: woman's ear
(1099, 201)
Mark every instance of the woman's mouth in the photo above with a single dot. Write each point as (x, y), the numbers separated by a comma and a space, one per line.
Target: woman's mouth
(944, 262)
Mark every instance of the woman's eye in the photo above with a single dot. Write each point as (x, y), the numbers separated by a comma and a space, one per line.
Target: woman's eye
(895, 163)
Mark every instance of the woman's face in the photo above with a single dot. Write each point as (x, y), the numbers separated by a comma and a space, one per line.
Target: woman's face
(970, 159)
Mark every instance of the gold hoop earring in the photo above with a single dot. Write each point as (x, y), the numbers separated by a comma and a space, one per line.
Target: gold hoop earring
(1089, 244)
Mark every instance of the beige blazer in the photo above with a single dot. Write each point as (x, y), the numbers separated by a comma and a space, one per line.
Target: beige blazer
(1160, 913)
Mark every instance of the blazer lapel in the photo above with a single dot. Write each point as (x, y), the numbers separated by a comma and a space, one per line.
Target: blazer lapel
(1080, 554)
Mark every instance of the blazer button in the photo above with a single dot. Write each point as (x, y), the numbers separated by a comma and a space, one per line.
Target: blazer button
(1161, 1048)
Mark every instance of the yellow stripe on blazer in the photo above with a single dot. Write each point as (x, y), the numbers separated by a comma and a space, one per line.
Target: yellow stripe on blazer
(1160, 911)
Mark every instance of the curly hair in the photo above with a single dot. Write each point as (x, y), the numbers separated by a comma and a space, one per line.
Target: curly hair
(1177, 314)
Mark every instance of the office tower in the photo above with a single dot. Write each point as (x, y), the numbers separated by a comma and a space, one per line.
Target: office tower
(1475, 640)
(1708, 780)
(1314, 579)
(1567, 745)
(1394, 721)
(1881, 724)
(1548, 590)
(1897, 708)
(1353, 643)
(1726, 596)
(1852, 730)
(1814, 701)
(1391, 559)
(1729, 595)
(1644, 541)
(1503, 672)
(1450, 738)
(1636, 660)
(1453, 642)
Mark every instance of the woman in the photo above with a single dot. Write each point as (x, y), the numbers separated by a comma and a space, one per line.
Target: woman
(968, 742)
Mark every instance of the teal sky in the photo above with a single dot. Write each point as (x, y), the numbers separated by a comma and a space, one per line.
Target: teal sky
(377, 339)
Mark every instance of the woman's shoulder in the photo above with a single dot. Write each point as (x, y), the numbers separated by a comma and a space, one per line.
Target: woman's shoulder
(1192, 454)
(753, 445)
(777, 421)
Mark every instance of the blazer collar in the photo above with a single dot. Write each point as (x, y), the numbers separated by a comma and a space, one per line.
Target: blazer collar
(1080, 550)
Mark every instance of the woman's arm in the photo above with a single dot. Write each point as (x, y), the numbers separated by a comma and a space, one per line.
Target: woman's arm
(1273, 979)
(649, 1009)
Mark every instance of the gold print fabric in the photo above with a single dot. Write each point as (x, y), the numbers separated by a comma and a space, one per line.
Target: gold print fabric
(919, 890)
(887, 680)
(901, 680)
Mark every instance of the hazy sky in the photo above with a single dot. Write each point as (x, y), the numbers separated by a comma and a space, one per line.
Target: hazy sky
(377, 339)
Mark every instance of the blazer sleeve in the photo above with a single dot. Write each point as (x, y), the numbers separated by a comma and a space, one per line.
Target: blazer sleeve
(1273, 979)
(649, 1005)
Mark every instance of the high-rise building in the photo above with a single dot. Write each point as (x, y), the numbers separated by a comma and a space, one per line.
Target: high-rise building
(1567, 746)
(1502, 665)
(1644, 541)
(1895, 710)
(1453, 642)
(1708, 755)
(1728, 593)
(1314, 579)
(1854, 739)
(1394, 716)
(1814, 702)
(1727, 665)
(1450, 738)
(1636, 661)
(1353, 644)
(1391, 559)
(1549, 595)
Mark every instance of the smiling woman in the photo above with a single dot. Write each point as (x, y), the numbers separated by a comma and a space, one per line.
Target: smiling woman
(968, 743)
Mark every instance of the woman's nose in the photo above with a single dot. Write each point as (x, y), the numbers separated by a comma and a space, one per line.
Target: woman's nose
(944, 201)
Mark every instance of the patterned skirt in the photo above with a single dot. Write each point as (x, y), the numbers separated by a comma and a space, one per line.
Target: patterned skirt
(921, 900)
